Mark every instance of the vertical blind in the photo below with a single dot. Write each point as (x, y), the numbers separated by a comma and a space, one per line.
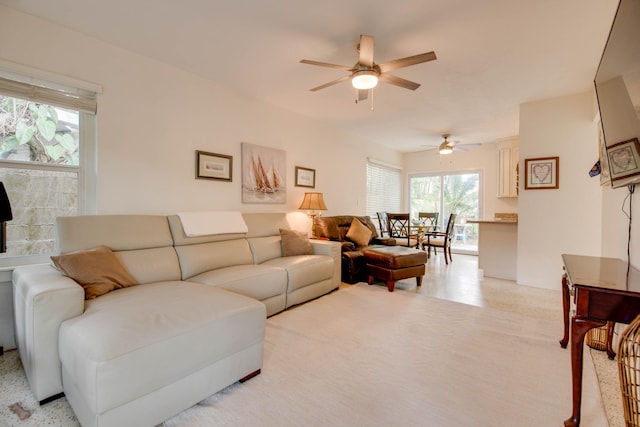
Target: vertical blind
(384, 189)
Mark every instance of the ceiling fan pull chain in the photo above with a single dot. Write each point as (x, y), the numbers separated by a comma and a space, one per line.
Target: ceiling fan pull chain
(371, 98)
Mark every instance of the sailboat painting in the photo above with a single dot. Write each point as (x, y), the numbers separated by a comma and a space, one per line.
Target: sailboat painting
(263, 174)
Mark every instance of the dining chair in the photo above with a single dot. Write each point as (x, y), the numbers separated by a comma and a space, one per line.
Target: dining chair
(384, 223)
(442, 240)
(399, 225)
(429, 220)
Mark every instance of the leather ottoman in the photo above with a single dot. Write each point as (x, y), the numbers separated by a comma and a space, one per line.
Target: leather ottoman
(392, 263)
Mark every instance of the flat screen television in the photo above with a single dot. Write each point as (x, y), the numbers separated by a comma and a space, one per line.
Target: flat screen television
(617, 84)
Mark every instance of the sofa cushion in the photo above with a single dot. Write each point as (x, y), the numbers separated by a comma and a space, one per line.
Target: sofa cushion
(359, 233)
(295, 243)
(118, 232)
(172, 330)
(97, 270)
(265, 248)
(255, 281)
(304, 270)
(337, 227)
(202, 257)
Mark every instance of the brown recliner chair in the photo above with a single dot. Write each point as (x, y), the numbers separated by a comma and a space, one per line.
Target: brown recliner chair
(353, 263)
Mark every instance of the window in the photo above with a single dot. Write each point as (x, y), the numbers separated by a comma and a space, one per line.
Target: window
(384, 189)
(457, 193)
(47, 161)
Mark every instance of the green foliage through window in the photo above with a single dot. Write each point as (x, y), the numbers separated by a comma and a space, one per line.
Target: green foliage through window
(40, 133)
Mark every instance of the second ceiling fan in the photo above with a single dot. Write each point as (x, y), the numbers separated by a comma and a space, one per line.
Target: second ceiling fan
(447, 147)
(365, 74)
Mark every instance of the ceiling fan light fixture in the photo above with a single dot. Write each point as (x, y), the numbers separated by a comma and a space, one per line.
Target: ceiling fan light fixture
(364, 80)
(446, 150)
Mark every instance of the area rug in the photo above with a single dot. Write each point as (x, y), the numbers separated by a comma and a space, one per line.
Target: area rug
(363, 356)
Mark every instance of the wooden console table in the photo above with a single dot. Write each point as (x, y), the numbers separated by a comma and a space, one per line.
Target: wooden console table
(603, 293)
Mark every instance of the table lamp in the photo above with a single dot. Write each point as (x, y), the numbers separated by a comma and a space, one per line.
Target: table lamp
(313, 202)
(5, 215)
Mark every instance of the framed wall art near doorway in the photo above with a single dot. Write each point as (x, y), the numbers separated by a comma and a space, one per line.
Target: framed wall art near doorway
(541, 173)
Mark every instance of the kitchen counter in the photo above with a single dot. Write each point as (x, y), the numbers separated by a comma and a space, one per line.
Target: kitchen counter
(492, 221)
(498, 247)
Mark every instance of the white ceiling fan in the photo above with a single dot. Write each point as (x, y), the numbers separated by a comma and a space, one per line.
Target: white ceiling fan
(448, 147)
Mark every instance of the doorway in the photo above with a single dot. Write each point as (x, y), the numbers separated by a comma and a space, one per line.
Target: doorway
(445, 193)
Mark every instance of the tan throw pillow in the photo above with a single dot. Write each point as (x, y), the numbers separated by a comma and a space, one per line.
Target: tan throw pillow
(295, 243)
(97, 270)
(359, 233)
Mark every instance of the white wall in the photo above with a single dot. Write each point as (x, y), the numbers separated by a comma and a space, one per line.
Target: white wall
(566, 220)
(152, 117)
(615, 225)
(483, 158)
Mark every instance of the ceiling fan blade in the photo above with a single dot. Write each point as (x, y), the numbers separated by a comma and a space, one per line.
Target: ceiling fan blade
(366, 50)
(331, 83)
(459, 148)
(397, 81)
(363, 94)
(325, 64)
(405, 62)
(472, 144)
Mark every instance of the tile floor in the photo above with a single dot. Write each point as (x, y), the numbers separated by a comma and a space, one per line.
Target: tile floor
(460, 281)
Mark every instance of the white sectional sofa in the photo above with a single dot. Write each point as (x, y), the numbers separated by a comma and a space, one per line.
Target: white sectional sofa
(192, 325)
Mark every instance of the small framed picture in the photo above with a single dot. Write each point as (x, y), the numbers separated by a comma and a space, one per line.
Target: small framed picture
(541, 173)
(305, 177)
(213, 166)
(624, 160)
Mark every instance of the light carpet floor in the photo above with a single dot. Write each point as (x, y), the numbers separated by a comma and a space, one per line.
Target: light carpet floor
(362, 356)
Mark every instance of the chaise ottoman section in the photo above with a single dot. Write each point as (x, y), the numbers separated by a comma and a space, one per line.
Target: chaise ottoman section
(138, 346)
(392, 263)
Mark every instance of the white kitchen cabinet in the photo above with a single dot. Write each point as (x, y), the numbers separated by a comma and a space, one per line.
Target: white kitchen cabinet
(508, 157)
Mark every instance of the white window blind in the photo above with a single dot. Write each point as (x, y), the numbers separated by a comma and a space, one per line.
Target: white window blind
(384, 189)
(78, 100)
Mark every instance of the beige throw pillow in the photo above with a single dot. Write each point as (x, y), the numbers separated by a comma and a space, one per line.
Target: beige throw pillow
(97, 270)
(295, 243)
(359, 233)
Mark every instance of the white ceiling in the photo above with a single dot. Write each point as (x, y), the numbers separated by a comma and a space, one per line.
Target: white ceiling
(493, 55)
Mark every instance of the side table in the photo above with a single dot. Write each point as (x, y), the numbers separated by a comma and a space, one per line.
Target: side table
(603, 292)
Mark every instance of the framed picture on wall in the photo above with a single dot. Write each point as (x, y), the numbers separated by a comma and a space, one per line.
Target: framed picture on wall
(305, 177)
(624, 160)
(541, 173)
(263, 174)
(213, 166)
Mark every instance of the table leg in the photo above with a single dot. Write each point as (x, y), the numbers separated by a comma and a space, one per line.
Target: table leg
(610, 353)
(579, 328)
(565, 310)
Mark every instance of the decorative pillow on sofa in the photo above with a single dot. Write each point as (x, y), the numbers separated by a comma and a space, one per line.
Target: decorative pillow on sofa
(97, 270)
(359, 233)
(295, 243)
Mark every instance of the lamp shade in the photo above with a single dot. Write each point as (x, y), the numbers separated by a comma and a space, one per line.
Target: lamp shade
(313, 202)
(5, 205)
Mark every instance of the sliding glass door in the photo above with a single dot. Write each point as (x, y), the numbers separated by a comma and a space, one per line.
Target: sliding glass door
(453, 192)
